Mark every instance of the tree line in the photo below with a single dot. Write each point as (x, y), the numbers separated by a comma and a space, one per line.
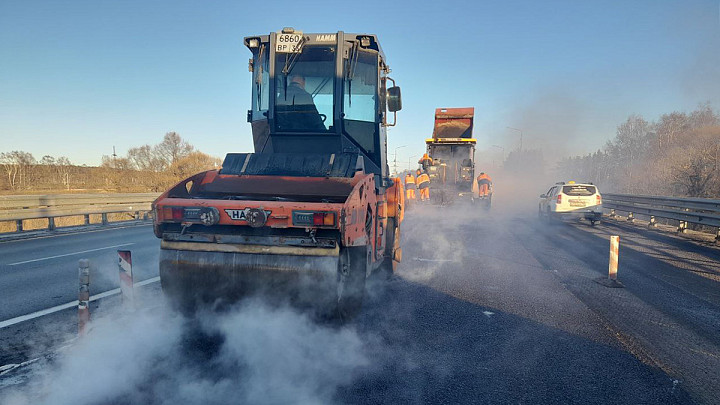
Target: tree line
(147, 168)
(677, 155)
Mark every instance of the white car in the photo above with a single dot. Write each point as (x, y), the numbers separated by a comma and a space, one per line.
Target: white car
(571, 200)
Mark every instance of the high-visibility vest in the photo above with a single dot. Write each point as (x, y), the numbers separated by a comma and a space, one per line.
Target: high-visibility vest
(423, 180)
(410, 181)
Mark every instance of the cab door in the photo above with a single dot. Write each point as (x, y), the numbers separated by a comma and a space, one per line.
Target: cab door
(545, 201)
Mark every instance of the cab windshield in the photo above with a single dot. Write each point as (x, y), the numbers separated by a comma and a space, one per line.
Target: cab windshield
(449, 152)
(304, 90)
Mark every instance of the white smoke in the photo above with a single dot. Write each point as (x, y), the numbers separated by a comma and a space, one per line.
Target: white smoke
(254, 354)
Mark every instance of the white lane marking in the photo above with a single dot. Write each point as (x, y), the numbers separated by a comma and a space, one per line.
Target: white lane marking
(10, 367)
(70, 254)
(420, 259)
(38, 314)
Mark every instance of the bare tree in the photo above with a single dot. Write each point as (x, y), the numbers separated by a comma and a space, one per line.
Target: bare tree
(173, 148)
(670, 126)
(193, 163)
(63, 167)
(145, 158)
(17, 166)
(704, 116)
(47, 160)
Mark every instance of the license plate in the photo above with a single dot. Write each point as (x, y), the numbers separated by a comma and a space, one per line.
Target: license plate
(288, 43)
(577, 203)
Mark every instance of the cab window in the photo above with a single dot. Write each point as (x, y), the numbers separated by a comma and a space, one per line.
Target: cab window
(261, 78)
(304, 90)
(360, 101)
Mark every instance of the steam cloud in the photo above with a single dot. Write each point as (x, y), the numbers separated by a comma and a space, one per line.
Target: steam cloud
(256, 354)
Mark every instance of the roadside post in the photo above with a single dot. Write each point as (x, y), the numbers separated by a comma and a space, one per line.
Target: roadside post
(126, 278)
(83, 296)
(614, 251)
(611, 280)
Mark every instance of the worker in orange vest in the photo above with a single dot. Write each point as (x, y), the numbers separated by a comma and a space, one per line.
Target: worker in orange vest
(425, 161)
(423, 184)
(484, 183)
(410, 186)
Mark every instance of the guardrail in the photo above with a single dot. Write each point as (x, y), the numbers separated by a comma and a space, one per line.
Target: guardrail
(23, 207)
(702, 211)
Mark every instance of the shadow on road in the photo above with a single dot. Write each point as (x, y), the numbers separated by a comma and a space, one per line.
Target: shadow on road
(440, 349)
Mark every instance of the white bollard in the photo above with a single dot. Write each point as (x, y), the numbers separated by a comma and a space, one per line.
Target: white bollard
(614, 252)
(126, 278)
(83, 296)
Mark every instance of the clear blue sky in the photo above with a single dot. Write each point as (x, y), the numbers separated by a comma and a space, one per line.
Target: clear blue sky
(77, 77)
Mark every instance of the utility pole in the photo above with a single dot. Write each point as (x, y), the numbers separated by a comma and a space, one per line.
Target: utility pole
(114, 158)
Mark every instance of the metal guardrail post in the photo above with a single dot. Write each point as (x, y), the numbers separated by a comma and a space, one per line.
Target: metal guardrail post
(137, 215)
(682, 227)
(19, 225)
(51, 224)
(83, 296)
(104, 218)
(87, 219)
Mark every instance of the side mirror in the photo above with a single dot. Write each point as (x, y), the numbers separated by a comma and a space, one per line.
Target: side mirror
(394, 99)
(543, 196)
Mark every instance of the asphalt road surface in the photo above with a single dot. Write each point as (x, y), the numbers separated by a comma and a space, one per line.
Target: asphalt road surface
(485, 308)
(40, 273)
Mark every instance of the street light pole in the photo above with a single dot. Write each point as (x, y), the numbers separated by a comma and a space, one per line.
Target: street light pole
(395, 159)
(521, 135)
(502, 151)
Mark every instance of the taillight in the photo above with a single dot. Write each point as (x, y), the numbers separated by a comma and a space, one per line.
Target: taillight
(559, 199)
(201, 215)
(314, 218)
(172, 213)
(324, 218)
(598, 199)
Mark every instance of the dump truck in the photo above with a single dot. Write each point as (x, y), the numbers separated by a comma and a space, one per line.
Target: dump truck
(313, 212)
(450, 161)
